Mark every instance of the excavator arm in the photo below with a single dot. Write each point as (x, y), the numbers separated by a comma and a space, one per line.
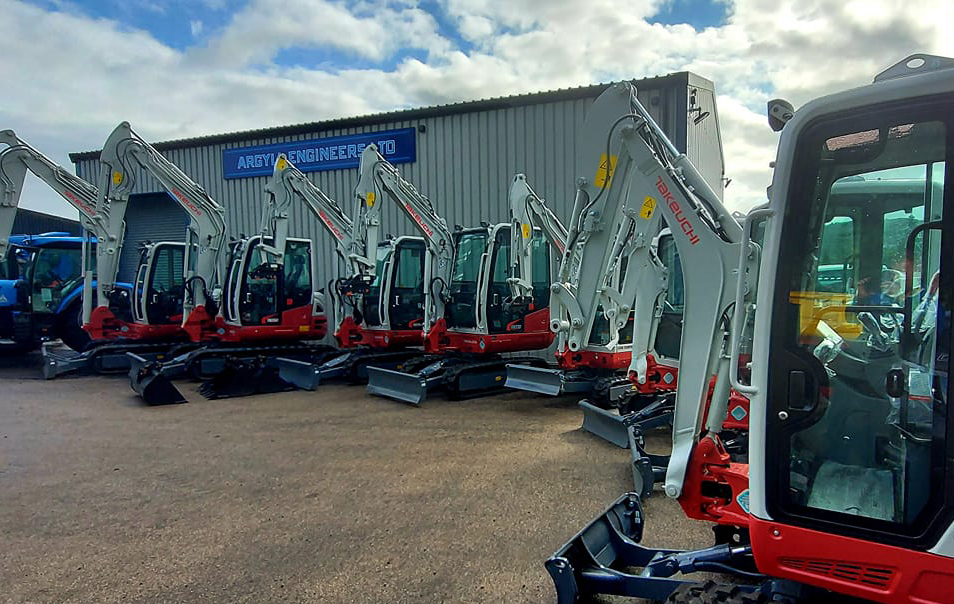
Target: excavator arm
(206, 234)
(377, 176)
(528, 211)
(667, 187)
(289, 184)
(101, 217)
(607, 249)
(355, 241)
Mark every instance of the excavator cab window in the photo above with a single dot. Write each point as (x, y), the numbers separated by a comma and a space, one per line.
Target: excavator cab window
(164, 287)
(372, 300)
(540, 261)
(258, 296)
(858, 381)
(500, 314)
(298, 289)
(406, 304)
(462, 309)
(669, 332)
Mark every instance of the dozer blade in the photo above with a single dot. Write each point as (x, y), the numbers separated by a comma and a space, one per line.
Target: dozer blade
(604, 423)
(244, 377)
(302, 374)
(147, 380)
(544, 380)
(397, 385)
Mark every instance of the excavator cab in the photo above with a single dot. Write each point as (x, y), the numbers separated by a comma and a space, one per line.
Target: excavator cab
(860, 340)
(395, 299)
(480, 291)
(158, 289)
(470, 247)
(261, 293)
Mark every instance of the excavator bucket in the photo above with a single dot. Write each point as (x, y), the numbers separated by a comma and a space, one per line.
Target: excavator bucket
(607, 558)
(544, 380)
(594, 559)
(399, 385)
(244, 377)
(150, 384)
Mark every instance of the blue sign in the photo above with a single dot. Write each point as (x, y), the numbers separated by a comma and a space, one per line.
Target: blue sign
(332, 153)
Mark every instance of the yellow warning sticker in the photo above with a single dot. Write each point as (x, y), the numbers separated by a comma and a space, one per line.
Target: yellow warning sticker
(649, 206)
(369, 199)
(604, 175)
(526, 231)
(281, 163)
(117, 178)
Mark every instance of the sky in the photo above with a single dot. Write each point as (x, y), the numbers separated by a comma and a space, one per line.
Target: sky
(72, 70)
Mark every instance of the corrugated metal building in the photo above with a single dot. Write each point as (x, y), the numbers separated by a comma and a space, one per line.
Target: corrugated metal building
(462, 156)
(30, 222)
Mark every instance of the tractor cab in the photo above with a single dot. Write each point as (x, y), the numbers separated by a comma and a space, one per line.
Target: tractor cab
(40, 275)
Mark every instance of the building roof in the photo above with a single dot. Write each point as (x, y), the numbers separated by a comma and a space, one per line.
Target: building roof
(502, 102)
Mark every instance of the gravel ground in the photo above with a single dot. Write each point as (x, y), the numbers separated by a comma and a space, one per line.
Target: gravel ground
(327, 496)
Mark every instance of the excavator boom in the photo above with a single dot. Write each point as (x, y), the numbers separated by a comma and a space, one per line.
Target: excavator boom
(204, 265)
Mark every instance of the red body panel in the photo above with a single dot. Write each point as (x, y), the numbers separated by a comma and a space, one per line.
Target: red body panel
(849, 566)
(293, 324)
(104, 325)
(596, 360)
(711, 464)
(534, 335)
(659, 378)
(350, 334)
(200, 325)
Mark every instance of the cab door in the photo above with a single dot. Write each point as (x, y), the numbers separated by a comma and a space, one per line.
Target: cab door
(860, 330)
(405, 308)
(500, 314)
(467, 278)
(159, 286)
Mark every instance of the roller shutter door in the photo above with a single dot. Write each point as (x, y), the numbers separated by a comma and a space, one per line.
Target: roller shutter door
(149, 217)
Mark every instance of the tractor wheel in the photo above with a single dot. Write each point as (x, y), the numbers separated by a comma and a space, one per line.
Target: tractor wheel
(711, 592)
(70, 328)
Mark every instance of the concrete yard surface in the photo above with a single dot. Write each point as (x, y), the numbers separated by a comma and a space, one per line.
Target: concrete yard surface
(327, 496)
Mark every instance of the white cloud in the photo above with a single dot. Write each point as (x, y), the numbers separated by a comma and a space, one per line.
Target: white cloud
(196, 27)
(66, 93)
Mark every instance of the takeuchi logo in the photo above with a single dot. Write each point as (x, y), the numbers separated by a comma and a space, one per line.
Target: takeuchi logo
(677, 211)
(185, 201)
(331, 227)
(79, 203)
(417, 218)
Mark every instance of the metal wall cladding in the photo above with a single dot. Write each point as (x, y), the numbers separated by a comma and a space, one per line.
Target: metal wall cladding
(29, 222)
(465, 159)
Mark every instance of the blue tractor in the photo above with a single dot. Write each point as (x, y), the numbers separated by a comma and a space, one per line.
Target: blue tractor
(41, 291)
